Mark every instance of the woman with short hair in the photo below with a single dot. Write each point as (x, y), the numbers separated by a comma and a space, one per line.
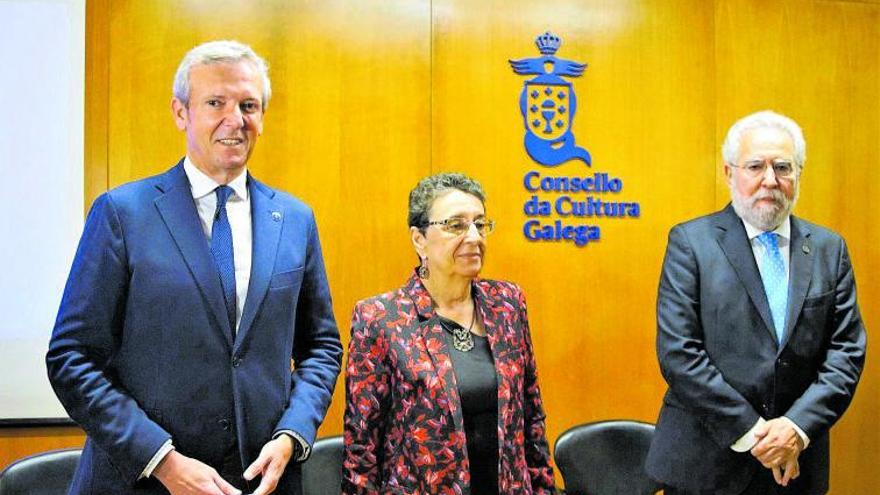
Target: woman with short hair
(441, 390)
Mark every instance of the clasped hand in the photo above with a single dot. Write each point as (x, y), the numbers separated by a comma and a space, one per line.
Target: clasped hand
(778, 449)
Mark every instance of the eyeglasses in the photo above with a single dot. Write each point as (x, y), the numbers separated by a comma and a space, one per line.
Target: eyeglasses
(783, 169)
(458, 225)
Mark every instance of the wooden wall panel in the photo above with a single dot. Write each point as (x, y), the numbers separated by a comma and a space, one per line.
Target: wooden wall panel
(370, 96)
(96, 100)
(591, 308)
(818, 63)
(347, 129)
(16, 443)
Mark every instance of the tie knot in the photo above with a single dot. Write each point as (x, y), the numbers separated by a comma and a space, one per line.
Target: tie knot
(769, 240)
(223, 193)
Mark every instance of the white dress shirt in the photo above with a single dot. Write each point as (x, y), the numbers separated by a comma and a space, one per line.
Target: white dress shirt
(238, 209)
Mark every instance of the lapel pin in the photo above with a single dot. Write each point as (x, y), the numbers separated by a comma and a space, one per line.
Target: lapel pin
(276, 216)
(806, 248)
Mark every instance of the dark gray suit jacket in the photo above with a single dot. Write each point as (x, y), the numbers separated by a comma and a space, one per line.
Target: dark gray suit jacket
(719, 354)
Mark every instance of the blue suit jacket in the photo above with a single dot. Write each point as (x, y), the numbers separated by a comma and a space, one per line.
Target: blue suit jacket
(142, 350)
(719, 353)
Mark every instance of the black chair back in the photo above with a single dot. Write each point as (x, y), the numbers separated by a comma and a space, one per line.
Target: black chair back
(606, 458)
(47, 473)
(322, 472)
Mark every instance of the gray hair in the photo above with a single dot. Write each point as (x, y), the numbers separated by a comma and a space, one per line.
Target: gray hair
(428, 189)
(763, 119)
(213, 52)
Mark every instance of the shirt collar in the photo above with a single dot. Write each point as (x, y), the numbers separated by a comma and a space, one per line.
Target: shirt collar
(202, 185)
(784, 229)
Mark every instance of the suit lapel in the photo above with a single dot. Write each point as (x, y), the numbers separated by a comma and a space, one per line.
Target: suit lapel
(178, 211)
(735, 244)
(266, 219)
(493, 318)
(436, 347)
(799, 275)
(496, 316)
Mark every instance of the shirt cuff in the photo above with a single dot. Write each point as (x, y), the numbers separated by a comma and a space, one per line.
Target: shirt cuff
(157, 458)
(747, 441)
(305, 448)
(799, 431)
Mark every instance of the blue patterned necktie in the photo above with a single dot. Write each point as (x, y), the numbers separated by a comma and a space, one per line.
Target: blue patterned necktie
(221, 249)
(773, 276)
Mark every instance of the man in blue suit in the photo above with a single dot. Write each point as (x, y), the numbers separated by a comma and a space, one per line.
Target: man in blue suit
(196, 343)
(758, 331)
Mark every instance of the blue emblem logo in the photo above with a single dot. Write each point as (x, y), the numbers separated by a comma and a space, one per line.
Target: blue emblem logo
(548, 104)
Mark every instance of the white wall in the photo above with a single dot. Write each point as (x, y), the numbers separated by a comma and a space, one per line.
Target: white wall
(42, 52)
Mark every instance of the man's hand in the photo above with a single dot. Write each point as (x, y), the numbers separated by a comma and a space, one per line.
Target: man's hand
(786, 473)
(184, 475)
(778, 448)
(270, 464)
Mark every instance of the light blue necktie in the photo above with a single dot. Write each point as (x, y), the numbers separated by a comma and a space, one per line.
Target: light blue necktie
(773, 276)
(221, 249)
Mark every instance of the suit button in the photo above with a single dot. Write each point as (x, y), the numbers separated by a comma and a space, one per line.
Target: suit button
(236, 361)
(224, 423)
(783, 363)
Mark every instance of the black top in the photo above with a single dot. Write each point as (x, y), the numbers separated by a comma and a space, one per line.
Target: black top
(478, 388)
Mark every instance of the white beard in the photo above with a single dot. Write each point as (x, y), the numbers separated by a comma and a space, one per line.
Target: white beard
(763, 217)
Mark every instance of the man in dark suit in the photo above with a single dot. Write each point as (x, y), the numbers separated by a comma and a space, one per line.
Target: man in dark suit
(758, 331)
(196, 343)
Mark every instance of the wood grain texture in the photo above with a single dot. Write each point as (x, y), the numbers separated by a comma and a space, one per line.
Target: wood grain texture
(347, 129)
(16, 443)
(370, 96)
(96, 100)
(818, 63)
(590, 308)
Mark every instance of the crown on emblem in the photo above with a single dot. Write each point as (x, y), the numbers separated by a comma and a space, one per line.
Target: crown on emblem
(548, 43)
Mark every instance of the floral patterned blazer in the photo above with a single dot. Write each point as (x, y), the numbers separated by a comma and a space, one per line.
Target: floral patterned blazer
(404, 432)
